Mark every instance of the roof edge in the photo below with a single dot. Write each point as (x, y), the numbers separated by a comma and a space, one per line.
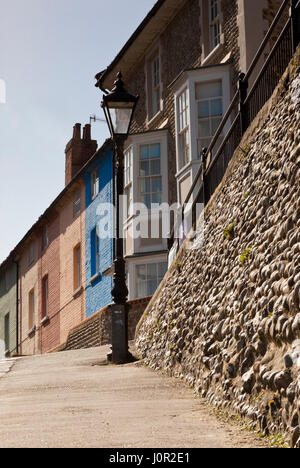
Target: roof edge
(102, 75)
(10, 259)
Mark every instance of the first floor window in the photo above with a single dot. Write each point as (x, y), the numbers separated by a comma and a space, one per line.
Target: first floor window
(128, 194)
(77, 203)
(95, 183)
(183, 129)
(31, 309)
(77, 267)
(150, 174)
(31, 253)
(209, 97)
(148, 278)
(128, 164)
(95, 252)
(45, 297)
(155, 86)
(6, 332)
(214, 24)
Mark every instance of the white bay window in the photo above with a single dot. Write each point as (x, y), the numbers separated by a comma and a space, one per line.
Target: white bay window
(209, 99)
(148, 278)
(201, 96)
(150, 174)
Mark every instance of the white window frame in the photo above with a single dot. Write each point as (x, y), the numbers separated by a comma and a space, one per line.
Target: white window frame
(155, 85)
(158, 278)
(77, 203)
(31, 252)
(150, 177)
(128, 176)
(136, 141)
(214, 22)
(183, 129)
(153, 82)
(188, 81)
(133, 262)
(210, 117)
(94, 183)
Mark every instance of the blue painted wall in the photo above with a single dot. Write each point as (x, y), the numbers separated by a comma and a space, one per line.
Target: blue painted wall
(98, 291)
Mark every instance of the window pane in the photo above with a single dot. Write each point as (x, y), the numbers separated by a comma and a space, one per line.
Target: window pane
(156, 184)
(215, 124)
(203, 109)
(154, 151)
(141, 272)
(146, 199)
(203, 128)
(144, 152)
(208, 90)
(155, 167)
(145, 186)
(142, 289)
(144, 168)
(152, 271)
(152, 286)
(157, 198)
(216, 107)
(162, 269)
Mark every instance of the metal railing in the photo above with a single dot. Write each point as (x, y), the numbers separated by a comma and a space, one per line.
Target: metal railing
(264, 73)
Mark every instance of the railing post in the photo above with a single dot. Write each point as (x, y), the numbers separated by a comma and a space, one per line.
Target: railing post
(295, 20)
(242, 88)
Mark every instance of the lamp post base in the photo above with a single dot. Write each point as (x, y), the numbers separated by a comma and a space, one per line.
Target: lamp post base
(120, 353)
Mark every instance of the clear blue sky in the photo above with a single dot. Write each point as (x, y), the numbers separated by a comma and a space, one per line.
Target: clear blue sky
(50, 51)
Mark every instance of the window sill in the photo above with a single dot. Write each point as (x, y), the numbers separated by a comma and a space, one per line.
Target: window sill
(77, 292)
(154, 118)
(209, 59)
(94, 278)
(93, 197)
(187, 167)
(45, 320)
(31, 332)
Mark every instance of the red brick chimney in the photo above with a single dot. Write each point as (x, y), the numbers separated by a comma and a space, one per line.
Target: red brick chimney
(79, 151)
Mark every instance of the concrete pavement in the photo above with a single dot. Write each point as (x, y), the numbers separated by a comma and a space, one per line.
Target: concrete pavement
(71, 399)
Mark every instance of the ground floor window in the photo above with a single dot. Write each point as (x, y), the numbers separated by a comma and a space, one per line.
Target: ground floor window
(148, 277)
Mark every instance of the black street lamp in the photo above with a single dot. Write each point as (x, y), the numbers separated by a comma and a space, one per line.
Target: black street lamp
(119, 107)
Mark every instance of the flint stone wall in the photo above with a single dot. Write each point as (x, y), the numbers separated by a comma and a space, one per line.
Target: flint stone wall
(226, 318)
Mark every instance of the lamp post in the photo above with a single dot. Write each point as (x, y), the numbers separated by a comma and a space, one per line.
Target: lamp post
(119, 106)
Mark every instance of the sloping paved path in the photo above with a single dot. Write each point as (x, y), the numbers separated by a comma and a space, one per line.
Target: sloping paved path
(70, 400)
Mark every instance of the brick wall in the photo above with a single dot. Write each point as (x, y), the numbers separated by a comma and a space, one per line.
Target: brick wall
(28, 281)
(49, 265)
(96, 330)
(72, 234)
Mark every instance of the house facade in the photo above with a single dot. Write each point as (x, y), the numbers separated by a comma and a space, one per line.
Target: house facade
(8, 309)
(52, 281)
(183, 61)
